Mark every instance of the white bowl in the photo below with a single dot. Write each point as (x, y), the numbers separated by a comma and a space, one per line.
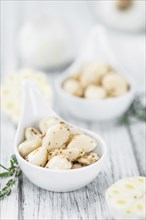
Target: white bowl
(94, 110)
(49, 179)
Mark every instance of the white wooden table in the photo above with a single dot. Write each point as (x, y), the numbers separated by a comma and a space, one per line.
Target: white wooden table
(126, 151)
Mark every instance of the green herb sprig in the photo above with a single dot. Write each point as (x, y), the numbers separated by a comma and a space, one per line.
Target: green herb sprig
(14, 171)
(136, 112)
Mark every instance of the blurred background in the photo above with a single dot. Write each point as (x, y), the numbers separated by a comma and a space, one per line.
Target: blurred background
(48, 35)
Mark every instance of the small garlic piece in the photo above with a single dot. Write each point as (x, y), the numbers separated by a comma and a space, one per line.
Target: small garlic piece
(31, 133)
(38, 157)
(73, 87)
(95, 92)
(76, 166)
(59, 162)
(88, 159)
(115, 85)
(83, 142)
(28, 146)
(56, 136)
(46, 123)
(126, 198)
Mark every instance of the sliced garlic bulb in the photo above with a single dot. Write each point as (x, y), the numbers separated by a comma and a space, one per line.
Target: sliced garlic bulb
(46, 123)
(88, 159)
(11, 94)
(59, 162)
(115, 85)
(28, 146)
(127, 198)
(38, 157)
(56, 136)
(73, 87)
(83, 142)
(31, 133)
(95, 92)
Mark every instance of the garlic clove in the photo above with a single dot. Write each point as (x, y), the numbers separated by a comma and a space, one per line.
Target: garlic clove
(28, 146)
(115, 85)
(59, 162)
(76, 166)
(38, 157)
(95, 92)
(73, 87)
(56, 136)
(83, 142)
(46, 123)
(31, 133)
(88, 159)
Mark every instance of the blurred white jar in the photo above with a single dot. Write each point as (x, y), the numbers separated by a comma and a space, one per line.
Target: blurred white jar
(128, 15)
(45, 43)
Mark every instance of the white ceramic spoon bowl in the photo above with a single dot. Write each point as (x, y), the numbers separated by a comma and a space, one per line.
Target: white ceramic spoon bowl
(34, 109)
(95, 110)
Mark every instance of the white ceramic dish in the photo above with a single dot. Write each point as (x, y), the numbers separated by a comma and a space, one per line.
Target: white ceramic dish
(95, 110)
(34, 109)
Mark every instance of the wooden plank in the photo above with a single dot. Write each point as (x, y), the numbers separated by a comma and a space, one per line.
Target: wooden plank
(137, 133)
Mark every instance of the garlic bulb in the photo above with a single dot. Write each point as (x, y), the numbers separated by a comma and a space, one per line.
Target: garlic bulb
(59, 162)
(11, 91)
(56, 136)
(95, 92)
(126, 15)
(83, 142)
(28, 146)
(127, 198)
(45, 43)
(38, 157)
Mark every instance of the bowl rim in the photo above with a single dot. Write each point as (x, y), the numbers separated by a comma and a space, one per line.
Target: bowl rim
(59, 81)
(43, 169)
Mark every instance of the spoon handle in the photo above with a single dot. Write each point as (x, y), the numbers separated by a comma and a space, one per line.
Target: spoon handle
(33, 102)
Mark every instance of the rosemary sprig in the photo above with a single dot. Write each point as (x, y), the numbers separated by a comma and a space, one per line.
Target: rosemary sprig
(14, 171)
(137, 111)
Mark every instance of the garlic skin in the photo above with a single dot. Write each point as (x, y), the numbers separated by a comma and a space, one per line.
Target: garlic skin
(46, 123)
(28, 146)
(95, 92)
(38, 157)
(127, 198)
(45, 43)
(59, 162)
(82, 142)
(73, 87)
(115, 85)
(56, 136)
(31, 133)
